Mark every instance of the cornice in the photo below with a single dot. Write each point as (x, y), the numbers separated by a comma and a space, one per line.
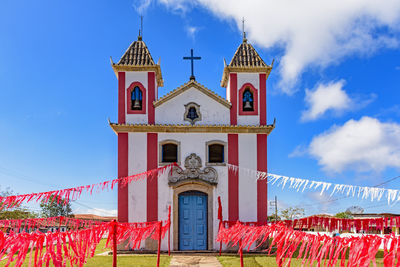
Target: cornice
(155, 68)
(187, 86)
(229, 69)
(186, 128)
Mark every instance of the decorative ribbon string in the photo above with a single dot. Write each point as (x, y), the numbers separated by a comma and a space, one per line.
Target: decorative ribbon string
(322, 249)
(73, 247)
(35, 223)
(134, 233)
(339, 224)
(75, 193)
(300, 184)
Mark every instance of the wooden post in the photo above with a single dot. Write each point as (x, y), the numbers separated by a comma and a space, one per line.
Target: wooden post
(169, 231)
(114, 226)
(241, 253)
(59, 224)
(220, 243)
(220, 218)
(159, 245)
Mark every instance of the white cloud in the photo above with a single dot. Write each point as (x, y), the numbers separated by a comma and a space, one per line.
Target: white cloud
(364, 145)
(331, 97)
(191, 31)
(325, 97)
(141, 6)
(310, 32)
(299, 151)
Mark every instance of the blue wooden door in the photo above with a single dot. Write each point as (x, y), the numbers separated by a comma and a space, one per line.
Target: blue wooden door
(192, 221)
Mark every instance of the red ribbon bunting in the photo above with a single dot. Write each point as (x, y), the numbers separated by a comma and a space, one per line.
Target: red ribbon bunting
(323, 249)
(74, 193)
(74, 246)
(340, 225)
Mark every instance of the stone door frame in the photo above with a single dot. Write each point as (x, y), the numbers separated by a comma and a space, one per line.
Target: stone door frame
(191, 185)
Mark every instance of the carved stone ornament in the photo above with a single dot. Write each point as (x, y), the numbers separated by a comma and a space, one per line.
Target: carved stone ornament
(193, 172)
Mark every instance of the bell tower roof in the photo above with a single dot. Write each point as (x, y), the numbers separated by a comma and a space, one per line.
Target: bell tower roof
(137, 54)
(138, 58)
(245, 59)
(246, 56)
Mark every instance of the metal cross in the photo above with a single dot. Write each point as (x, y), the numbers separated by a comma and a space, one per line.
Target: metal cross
(191, 59)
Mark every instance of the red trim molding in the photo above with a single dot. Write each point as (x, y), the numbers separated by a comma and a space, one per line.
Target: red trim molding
(122, 172)
(233, 178)
(121, 97)
(233, 97)
(151, 81)
(262, 186)
(255, 98)
(152, 182)
(129, 99)
(263, 99)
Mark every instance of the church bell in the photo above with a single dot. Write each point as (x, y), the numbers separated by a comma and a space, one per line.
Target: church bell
(247, 105)
(136, 104)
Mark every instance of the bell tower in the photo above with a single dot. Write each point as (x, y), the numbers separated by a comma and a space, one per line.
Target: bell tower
(138, 81)
(245, 81)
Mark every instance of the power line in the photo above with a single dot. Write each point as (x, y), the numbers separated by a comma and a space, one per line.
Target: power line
(23, 177)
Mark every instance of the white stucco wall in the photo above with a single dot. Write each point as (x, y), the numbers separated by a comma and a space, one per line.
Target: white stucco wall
(228, 90)
(172, 111)
(165, 195)
(195, 143)
(137, 163)
(247, 181)
(130, 77)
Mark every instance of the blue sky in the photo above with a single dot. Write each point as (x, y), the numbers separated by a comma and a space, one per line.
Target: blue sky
(334, 89)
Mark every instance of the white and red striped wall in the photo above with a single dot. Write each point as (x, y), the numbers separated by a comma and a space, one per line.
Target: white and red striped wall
(243, 198)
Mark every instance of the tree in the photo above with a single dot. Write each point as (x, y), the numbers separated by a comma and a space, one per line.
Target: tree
(16, 212)
(292, 213)
(54, 208)
(344, 215)
(273, 218)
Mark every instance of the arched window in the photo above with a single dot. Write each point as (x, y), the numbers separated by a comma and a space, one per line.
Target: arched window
(248, 100)
(169, 153)
(136, 97)
(215, 153)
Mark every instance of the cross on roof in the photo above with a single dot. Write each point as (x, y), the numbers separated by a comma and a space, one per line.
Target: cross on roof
(191, 59)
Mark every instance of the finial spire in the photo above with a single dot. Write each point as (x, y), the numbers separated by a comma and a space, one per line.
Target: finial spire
(140, 37)
(243, 32)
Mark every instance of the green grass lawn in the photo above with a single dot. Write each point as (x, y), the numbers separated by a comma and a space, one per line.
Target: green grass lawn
(151, 260)
(135, 260)
(122, 261)
(257, 261)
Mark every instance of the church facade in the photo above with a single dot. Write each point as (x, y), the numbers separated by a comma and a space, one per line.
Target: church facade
(204, 134)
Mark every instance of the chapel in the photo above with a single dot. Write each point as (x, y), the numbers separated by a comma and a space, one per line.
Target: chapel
(205, 134)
